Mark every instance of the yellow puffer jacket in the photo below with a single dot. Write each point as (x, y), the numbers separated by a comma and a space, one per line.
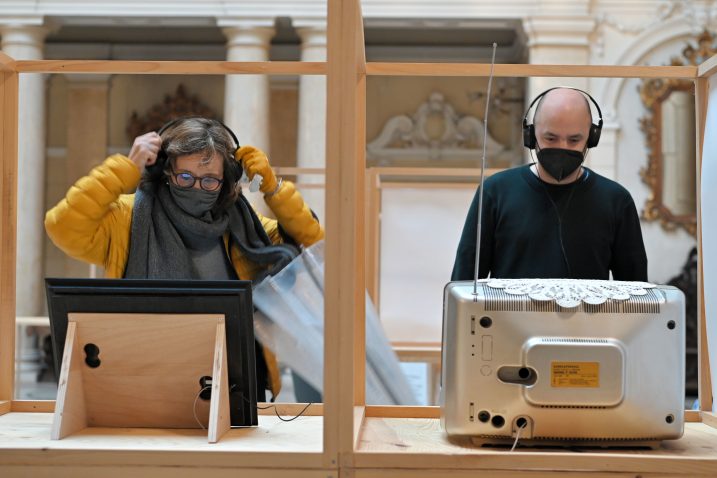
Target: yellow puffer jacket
(92, 224)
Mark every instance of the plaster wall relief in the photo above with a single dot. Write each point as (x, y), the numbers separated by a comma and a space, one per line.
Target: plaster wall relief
(439, 123)
(434, 134)
(173, 106)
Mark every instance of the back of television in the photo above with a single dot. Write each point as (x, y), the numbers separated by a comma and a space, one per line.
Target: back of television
(597, 362)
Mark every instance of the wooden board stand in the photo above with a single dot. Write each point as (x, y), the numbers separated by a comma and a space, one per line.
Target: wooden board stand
(143, 370)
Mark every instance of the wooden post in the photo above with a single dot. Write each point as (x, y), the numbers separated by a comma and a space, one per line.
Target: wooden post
(344, 344)
(219, 414)
(704, 378)
(8, 225)
(373, 235)
(70, 412)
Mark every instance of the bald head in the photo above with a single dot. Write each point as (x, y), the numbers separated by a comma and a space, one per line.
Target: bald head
(563, 101)
(562, 119)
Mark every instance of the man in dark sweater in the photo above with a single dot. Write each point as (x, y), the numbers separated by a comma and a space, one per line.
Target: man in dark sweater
(555, 218)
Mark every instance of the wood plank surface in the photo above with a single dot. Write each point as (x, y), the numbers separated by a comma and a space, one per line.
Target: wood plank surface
(124, 471)
(25, 440)
(420, 443)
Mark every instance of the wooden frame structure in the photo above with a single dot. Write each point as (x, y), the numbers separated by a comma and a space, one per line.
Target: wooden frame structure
(344, 436)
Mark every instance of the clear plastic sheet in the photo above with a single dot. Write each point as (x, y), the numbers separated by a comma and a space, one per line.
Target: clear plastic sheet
(290, 321)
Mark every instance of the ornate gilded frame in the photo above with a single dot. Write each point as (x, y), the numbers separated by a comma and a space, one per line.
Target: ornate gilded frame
(653, 93)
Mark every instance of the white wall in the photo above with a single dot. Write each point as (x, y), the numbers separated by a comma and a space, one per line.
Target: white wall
(420, 230)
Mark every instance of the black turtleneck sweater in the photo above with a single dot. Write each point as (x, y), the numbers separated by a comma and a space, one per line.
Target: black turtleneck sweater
(532, 229)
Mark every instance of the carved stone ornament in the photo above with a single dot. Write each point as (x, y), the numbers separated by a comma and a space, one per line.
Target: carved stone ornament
(659, 175)
(435, 131)
(175, 106)
(570, 293)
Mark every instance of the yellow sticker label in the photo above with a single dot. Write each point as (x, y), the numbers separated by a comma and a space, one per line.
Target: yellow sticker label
(575, 374)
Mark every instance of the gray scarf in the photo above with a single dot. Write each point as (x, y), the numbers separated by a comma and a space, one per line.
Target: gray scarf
(161, 231)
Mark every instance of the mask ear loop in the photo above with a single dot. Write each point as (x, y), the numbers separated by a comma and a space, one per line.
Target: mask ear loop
(581, 168)
(535, 163)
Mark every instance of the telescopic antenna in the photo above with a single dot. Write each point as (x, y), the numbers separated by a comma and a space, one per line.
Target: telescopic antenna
(482, 172)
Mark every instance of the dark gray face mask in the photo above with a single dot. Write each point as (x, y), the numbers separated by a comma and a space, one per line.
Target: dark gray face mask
(560, 163)
(193, 201)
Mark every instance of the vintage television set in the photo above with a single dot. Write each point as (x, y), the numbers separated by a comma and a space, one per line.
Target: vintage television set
(162, 298)
(605, 366)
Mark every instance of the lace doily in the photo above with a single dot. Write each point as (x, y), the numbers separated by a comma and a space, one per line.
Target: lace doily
(570, 293)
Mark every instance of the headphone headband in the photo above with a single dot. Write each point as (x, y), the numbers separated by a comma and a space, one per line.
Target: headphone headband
(182, 118)
(529, 139)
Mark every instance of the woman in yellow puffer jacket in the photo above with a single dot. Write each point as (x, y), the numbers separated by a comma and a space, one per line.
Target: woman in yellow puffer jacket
(188, 218)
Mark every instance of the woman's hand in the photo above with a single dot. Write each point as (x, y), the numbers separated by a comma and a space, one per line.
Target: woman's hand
(254, 161)
(145, 149)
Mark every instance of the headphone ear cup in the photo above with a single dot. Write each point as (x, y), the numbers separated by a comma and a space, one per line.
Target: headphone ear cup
(594, 136)
(529, 135)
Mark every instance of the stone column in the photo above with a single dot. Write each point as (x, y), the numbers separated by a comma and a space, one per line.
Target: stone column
(558, 40)
(246, 97)
(25, 42)
(311, 148)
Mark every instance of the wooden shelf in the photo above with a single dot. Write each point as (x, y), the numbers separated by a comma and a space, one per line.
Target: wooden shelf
(420, 444)
(414, 446)
(25, 440)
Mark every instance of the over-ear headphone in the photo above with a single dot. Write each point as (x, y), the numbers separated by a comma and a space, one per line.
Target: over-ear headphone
(162, 155)
(529, 139)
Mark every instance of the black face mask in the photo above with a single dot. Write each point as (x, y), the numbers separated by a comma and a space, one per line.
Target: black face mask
(560, 163)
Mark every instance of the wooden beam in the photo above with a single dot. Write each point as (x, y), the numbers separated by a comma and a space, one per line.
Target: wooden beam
(693, 416)
(292, 171)
(219, 412)
(388, 411)
(7, 63)
(359, 416)
(33, 406)
(5, 407)
(431, 185)
(172, 67)
(704, 380)
(709, 419)
(8, 227)
(345, 284)
(521, 70)
(708, 67)
(382, 172)
(373, 235)
(359, 170)
(395, 171)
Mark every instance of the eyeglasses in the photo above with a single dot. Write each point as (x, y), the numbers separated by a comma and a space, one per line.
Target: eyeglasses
(186, 180)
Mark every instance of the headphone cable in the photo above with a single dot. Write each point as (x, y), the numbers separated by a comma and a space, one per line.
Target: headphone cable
(558, 214)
